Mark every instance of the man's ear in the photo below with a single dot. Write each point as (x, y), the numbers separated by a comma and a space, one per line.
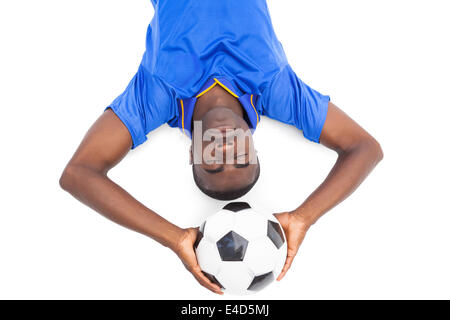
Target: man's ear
(191, 156)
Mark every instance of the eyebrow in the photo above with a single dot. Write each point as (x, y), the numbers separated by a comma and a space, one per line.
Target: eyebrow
(222, 168)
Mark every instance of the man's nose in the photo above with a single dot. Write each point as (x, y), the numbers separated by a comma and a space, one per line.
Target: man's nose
(225, 146)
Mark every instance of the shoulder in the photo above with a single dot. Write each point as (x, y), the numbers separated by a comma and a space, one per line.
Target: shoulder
(156, 92)
(280, 83)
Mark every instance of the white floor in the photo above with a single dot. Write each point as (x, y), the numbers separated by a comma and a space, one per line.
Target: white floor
(385, 63)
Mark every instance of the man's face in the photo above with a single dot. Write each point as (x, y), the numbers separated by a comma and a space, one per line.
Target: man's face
(223, 152)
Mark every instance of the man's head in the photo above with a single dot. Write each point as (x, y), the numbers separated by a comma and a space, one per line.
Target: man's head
(224, 161)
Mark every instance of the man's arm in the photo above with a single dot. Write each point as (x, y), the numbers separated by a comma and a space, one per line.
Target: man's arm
(85, 177)
(358, 153)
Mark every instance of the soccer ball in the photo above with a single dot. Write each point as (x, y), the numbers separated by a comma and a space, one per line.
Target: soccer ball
(241, 250)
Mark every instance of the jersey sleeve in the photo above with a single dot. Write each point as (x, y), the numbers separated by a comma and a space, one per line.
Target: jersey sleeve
(147, 103)
(289, 100)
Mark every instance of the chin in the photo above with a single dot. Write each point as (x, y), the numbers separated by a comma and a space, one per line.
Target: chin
(223, 118)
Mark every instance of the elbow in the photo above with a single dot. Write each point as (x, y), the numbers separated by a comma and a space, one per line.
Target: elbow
(368, 148)
(74, 177)
(375, 150)
(379, 154)
(68, 178)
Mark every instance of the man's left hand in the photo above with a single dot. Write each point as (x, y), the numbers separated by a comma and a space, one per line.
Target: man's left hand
(295, 229)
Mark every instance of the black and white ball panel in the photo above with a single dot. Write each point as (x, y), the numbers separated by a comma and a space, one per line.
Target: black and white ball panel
(275, 234)
(219, 225)
(250, 224)
(262, 281)
(236, 277)
(232, 247)
(261, 256)
(199, 238)
(208, 256)
(237, 206)
(202, 227)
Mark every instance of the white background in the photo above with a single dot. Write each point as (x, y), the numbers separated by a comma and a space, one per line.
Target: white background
(386, 63)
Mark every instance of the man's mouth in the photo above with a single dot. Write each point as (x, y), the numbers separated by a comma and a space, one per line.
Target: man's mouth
(225, 129)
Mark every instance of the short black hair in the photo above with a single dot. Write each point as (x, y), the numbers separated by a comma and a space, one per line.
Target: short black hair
(227, 194)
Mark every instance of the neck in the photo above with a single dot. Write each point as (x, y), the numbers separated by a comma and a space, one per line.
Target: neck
(216, 97)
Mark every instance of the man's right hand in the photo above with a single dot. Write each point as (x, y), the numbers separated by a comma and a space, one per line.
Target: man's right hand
(185, 251)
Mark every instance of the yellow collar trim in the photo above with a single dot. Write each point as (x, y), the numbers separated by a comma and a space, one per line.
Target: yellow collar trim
(213, 85)
(182, 114)
(257, 116)
(205, 91)
(223, 86)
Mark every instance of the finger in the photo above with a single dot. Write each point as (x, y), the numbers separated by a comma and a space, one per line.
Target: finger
(203, 280)
(211, 286)
(196, 271)
(208, 285)
(286, 267)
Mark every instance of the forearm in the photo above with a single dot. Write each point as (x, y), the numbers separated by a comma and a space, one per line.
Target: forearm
(97, 191)
(350, 170)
